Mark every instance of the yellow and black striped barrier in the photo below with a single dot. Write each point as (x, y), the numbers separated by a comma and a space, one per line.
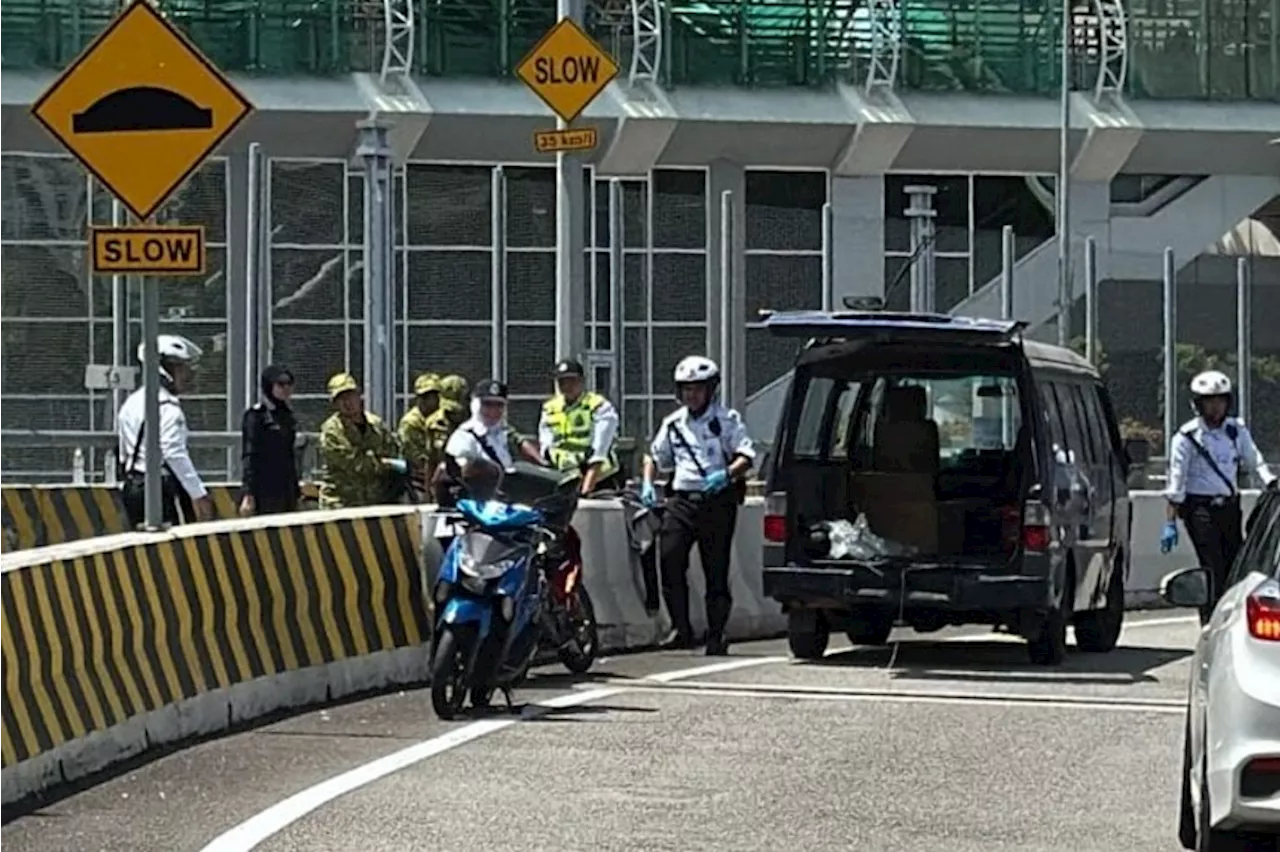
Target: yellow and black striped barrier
(92, 641)
(41, 515)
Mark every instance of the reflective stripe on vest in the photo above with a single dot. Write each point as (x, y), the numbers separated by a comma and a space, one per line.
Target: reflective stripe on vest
(572, 427)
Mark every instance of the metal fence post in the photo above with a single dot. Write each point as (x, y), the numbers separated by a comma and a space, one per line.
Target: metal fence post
(1091, 300)
(923, 279)
(379, 294)
(1170, 350)
(728, 390)
(1244, 338)
(498, 280)
(617, 296)
(1007, 259)
(828, 257)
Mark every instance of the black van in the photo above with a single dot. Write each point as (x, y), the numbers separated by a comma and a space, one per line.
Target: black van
(932, 470)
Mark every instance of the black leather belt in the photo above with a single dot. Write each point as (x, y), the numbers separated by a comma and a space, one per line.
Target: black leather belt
(1214, 500)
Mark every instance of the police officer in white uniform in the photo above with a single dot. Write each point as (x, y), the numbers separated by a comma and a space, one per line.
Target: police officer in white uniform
(479, 451)
(184, 496)
(706, 447)
(1205, 461)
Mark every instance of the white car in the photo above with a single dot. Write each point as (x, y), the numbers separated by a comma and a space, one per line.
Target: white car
(1231, 751)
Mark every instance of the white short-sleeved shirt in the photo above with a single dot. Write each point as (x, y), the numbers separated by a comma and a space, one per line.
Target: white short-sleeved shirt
(684, 443)
(468, 442)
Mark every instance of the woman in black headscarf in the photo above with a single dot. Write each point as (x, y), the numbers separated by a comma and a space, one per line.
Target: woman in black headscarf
(269, 430)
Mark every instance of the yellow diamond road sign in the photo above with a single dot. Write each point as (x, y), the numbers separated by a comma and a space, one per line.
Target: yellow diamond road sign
(141, 108)
(567, 69)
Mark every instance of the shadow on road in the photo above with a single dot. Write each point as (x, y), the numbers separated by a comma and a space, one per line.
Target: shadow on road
(1006, 662)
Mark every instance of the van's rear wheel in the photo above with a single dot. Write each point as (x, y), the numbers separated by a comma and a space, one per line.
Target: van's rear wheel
(1098, 630)
(807, 633)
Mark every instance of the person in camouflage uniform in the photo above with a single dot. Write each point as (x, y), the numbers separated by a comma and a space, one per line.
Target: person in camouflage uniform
(423, 443)
(455, 407)
(362, 464)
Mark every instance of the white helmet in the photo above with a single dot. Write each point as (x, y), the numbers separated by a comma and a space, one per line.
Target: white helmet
(696, 368)
(172, 347)
(1211, 383)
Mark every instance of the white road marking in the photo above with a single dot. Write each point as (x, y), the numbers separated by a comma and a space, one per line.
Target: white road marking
(274, 819)
(871, 692)
(975, 699)
(1162, 622)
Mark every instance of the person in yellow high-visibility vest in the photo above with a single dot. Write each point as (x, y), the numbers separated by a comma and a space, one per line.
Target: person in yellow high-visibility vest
(578, 428)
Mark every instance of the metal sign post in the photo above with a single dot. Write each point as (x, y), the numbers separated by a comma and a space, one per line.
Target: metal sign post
(151, 391)
(567, 69)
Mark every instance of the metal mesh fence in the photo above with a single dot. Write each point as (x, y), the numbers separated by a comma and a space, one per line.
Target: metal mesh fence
(317, 276)
(783, 265)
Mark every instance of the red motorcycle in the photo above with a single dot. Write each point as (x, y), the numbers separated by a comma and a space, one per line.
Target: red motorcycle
(570, 620)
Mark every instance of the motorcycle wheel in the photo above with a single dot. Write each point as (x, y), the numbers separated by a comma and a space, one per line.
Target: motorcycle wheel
(579, 655)
(449, 669)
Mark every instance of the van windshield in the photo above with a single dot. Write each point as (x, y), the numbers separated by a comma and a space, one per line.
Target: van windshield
(974, 415)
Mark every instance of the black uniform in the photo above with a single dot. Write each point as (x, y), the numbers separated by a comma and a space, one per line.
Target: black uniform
(268, 434)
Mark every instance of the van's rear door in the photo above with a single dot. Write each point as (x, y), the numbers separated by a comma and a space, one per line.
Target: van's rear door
(889, 327)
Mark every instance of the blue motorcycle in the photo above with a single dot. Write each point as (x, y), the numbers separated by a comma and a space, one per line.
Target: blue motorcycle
(492, 591)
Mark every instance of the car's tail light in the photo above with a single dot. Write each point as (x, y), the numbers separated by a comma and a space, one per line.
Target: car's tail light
(775, 517)
(1260, 778)
(1262, 610)
(1036, 531)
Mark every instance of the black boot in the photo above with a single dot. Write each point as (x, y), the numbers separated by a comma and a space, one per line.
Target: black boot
(677, 640)
(717, 645)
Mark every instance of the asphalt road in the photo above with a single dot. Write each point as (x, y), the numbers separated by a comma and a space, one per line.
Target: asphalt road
(948, 742)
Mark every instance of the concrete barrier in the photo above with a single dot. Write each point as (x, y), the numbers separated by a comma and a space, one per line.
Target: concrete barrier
(1148, 565)
(43, 515)
(129, 641)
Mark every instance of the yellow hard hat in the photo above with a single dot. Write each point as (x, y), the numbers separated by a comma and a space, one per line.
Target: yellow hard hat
(426, 383)
(340, 383)
(454, 387)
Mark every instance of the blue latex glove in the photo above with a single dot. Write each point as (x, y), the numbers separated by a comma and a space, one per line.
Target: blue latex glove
(398, 465)
(1169, 536)
(647, 494)
(716, 481)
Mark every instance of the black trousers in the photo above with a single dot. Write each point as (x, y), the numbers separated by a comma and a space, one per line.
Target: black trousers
(707, 521)
(175, 503)
(274, 504)
(1217, 534)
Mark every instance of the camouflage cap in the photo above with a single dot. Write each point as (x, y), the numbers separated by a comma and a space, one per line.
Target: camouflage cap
(340, 383)
(454, 387)
(426, 383)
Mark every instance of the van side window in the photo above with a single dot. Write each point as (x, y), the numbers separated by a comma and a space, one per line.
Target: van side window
(1072, 428)
(809, 439)
(842, 421)
(1052, 416)
(1098, 424)
(1109, 417)
(1097, 453)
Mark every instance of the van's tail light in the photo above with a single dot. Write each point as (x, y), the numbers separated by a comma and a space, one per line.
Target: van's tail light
(1262, 610)
(1036, 532)
(1010, 527)
(775, 517)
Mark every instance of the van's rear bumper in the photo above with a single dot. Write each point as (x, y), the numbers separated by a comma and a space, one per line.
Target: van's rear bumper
(941, 587)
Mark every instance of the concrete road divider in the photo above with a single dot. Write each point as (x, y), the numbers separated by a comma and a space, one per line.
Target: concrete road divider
(41, 515)
(115, 644)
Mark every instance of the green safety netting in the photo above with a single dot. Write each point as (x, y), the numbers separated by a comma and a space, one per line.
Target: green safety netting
(948, 45)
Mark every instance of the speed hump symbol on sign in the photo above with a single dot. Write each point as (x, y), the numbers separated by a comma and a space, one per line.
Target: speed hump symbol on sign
(141, 108)
(567, 69)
